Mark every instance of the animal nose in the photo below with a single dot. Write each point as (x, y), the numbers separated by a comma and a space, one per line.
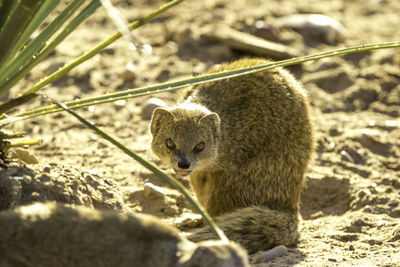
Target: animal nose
(183, 164)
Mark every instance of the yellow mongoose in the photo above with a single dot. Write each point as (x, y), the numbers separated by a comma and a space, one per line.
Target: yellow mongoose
(51, 234)
(246, 143)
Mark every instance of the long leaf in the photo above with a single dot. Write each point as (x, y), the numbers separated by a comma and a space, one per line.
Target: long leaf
(27, 54)
(61, 72)
(148, 165)
(15, 26)
(43, 11)
(6, 9)
(11, 104)
(56, 75)
(87, 11)
(168, 86)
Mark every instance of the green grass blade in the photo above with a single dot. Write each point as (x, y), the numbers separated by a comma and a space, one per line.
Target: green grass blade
(86, 12)
(27, 54)
(11, 104)
(168, 86)
(148, 165)
(61, 72)
(44, 10)
(6, 9)
(16, 102)
(15, 26)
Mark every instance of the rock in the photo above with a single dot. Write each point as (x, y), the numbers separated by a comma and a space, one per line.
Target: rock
(63, 184)
(248, 43)
(47, 168)
(88, 237)
(108, 51)
(265, 30)
(150, 105)
(152, 191)
(269, 255)
(323, 27)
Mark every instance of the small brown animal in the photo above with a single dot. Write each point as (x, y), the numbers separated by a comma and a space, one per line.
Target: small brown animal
(246, 143)
(54, 235)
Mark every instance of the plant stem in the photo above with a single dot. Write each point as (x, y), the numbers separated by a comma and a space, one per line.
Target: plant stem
(25, 143)
(75, 22)
(12, 135)
(98, 48)
(30, 52)
(168, 86)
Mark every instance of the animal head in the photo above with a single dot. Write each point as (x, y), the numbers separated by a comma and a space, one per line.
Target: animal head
(185, 137)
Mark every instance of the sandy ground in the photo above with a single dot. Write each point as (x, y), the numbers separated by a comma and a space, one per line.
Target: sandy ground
(350, 208)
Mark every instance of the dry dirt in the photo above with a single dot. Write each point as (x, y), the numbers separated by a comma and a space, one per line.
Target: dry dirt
(350, 208)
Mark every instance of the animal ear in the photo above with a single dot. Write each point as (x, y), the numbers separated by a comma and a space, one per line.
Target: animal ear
(160, 116)
(212, 121)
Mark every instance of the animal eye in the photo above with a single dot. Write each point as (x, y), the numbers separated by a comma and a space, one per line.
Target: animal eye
(170, 144)
(199, 147)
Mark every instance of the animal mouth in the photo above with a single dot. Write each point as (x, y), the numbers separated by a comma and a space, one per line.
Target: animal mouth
(182, 172)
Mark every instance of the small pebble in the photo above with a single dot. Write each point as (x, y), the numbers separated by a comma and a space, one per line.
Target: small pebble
(172, 47)
(346, 156)
(44, 178)
(107, 181)
(271, 254)
(120, 103)
(47, 168)
(150, 105)
(163, 75)
(130, 72)
(83, 180)
(35, 196)
(153, 192)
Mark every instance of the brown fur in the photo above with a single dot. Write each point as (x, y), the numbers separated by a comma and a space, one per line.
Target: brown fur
(55, 235)
(258, 142)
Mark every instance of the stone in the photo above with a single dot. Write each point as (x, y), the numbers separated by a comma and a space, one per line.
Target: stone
(150, 105)
(152, 191)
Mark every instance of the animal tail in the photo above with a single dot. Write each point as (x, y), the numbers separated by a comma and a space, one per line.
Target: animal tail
(255, 228)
